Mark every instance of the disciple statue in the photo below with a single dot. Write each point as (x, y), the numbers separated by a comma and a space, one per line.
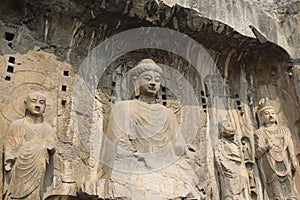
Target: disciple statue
(143, 145)
(274, 150)
(230, 165)
(28, 146)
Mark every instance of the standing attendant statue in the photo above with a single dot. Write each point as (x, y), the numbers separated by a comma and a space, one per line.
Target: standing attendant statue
(28, 146)
(274, 150)
(230, 165)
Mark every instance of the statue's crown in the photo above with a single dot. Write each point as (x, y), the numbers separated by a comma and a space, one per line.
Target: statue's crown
(264, 103)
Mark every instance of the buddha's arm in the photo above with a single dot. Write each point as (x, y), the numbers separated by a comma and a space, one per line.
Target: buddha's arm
(108, 150)
(260, 146)
(12, 143)
(51, 142)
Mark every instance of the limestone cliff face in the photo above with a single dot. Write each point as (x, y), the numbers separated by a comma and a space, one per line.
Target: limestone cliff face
(253, 44)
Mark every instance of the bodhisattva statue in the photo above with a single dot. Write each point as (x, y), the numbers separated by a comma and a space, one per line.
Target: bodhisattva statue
(230, 165)
(28, 146)
(143, 142)
(274, 150)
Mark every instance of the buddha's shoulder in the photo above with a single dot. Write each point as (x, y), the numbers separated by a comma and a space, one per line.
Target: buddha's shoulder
(47, 125)
(17, 123)
(121, 104)
(259, 133)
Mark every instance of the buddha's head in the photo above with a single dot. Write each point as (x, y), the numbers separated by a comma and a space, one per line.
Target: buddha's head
(266, 112)
(35, 104)
(146, 78)
(226, 129)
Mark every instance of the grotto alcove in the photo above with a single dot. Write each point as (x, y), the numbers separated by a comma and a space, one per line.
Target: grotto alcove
(54, 40)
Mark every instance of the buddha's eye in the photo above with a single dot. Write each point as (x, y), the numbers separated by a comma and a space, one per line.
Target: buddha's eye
(147, 78)
(42, 102)
(33, 100)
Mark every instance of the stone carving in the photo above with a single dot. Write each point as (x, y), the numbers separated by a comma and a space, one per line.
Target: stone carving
(28, 147)
(230, 164)
(140, 155)
(274, 150)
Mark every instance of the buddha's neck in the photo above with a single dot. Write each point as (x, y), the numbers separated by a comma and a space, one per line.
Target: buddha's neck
(147, 99)
(34, 119)
(270, 126)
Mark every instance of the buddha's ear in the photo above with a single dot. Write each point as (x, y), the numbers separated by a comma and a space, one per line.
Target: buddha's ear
(25, 103)
(136, 86)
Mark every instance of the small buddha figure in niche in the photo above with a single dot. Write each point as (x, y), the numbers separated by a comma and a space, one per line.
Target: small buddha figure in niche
(28, 146)
(143, 144)
(274, 150)
(230, 165)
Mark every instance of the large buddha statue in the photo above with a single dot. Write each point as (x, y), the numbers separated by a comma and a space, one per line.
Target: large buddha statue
(28, 146)
(274, 150)
(141, 155)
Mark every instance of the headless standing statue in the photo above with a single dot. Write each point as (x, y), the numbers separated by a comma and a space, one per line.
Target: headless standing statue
(230, 165)
(28, 147)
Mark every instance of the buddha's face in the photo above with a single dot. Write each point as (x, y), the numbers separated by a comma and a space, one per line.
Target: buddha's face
(35, 104)
(149, 83)
(268, 116)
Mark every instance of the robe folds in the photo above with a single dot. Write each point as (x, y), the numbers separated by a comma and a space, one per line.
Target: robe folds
(138, 129)
(143, 148)
(26, 147)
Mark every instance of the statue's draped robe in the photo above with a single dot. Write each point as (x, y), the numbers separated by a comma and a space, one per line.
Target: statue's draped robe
(275, 163)
(141, 149)
(27, 144)
(232, 172)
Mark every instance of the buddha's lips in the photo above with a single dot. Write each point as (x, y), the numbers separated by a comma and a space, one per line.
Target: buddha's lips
(151, 88)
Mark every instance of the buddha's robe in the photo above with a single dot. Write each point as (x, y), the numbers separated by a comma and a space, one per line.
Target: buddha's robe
(26, 145)
(275, 163)
(141, 151)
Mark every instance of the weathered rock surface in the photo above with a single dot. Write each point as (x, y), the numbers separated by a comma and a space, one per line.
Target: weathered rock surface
(254, 45)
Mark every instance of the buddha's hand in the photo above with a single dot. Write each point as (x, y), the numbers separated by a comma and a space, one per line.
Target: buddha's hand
(269, 144)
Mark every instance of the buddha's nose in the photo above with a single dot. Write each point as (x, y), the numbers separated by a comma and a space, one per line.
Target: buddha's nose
(152, 84)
